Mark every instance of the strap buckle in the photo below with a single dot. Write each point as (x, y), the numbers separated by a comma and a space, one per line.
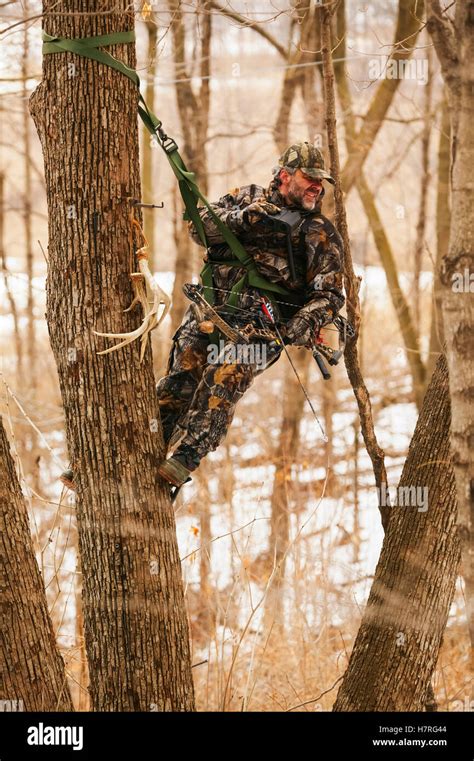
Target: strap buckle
(168, 144)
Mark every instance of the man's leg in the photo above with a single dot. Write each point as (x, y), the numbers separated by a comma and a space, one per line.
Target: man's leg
(186, 361)
(211, 411)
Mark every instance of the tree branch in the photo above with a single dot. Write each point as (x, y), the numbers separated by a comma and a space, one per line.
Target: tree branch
(252, 24)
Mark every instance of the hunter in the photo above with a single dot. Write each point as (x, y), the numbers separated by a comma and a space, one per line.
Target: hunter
(197, 397)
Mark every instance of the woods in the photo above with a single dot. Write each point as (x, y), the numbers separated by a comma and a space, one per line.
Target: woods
(237, 535)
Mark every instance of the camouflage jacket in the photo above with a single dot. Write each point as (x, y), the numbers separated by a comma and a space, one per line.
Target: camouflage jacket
(317, 250)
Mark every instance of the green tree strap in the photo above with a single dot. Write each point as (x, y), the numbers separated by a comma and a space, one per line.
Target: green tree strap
(190, 193)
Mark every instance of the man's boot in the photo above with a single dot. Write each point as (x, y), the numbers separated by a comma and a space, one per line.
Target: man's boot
(174, 471)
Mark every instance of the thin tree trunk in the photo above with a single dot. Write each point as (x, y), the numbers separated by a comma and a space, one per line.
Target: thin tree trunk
(397, 646)
(207, 607)
(32, 667)
(136, 629)
(184, 263)
(425, 181)
(443, 223)
(30, 306)
(400, 303)
(193, 112)
(8, 290)
(351, 283)
(31, 344)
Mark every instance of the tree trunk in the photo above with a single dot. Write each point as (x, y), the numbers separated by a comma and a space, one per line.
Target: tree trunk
(184, 264)
(454, 45)
(443, 222)
(193, 112)
(8, 289)
(399, 302)
(424, 186)
(32, 465)
(206, 615)
(135, 622)
(33, 669)
(397, 646)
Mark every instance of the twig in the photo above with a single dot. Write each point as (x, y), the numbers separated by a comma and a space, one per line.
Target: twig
(315, 700)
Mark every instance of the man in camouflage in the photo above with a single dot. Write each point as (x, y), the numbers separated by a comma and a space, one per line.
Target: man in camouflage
(197, 398)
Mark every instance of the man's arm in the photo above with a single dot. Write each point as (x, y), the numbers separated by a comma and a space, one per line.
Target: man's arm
(223, 209)
(324, 294)
(230, 209)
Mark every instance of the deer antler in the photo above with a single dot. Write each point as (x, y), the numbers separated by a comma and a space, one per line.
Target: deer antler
(151, 319)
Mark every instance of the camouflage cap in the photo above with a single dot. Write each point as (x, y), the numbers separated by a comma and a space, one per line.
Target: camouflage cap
(306, 157)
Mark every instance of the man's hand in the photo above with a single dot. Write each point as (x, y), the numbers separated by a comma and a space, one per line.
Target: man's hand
(302, 330)
(257, 211)
(254, 214)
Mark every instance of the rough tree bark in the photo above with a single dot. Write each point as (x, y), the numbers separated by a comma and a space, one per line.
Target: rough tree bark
(135, 622)
(397, 646)
(32, 668)
(454, 44)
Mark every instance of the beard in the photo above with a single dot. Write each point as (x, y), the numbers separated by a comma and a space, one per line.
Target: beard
(299, 197)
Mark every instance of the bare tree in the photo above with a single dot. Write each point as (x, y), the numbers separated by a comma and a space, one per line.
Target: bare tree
(32, 667)
(135, 621)
(424, 186)
(9, 290)
(453, 39)
(193, 111)
(397, 646)
(443, 224)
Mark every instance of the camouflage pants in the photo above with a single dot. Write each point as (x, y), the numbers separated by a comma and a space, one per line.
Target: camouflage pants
(202, 386)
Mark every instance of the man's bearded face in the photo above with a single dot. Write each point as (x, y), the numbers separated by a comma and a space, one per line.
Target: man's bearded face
(303, 191)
